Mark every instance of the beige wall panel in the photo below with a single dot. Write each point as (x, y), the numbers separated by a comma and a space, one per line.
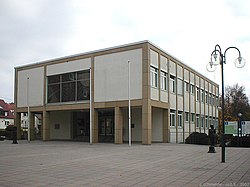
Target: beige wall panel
(136, 119)
(179, 72)
(186, 75)
(36, 78)
(157, 125)
(63, 118)
(186, 102)
(172, 68)
(192, 78)
(70, 66)
(180, 103)
(206, 85)
(154, 58)
(172, 132)
(202, 109)
(155, 94)
(202, 83)
(172, 101)
(197, 107)
(164, 63)
(111, 76)
(206, 109)
(164, 96)
(197, 81)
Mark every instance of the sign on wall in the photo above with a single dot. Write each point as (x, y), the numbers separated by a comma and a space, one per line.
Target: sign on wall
(231, 127)
(245, 127)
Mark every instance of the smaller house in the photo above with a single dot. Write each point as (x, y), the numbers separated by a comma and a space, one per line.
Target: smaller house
(6, 114)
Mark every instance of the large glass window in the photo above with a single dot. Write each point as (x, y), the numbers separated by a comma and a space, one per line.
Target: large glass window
(68, 87)
(164, 81)
(53, 95)
(154, 76)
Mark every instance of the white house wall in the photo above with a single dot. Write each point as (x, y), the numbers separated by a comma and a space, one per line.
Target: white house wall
(106, 67)
(35, 84)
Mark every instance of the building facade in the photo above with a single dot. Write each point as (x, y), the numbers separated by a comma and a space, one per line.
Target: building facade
(169, 100)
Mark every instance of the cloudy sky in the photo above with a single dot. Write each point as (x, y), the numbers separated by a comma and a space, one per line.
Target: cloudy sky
(36, 30)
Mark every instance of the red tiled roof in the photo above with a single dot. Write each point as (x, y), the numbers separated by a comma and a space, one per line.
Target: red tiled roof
(6, 107)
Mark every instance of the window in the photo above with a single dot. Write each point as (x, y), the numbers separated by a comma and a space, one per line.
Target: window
(172, 83)
(192, 89)
(197, 121)
(210, 99)
(154, 76)
(186, 116)
(206, 97)
(179, 86)
(206, 122)
(74, 86)
(192, 117)
(202, 96)
(7, 123)
(172, 118)
(164, 81)
(210, 121)
(202, 121)
(186, 86)
(179, 119)
(197, 94)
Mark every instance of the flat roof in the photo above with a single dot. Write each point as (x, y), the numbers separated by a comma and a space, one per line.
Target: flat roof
(111, 48)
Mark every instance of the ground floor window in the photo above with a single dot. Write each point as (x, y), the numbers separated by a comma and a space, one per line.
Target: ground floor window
(172, 118)
(179, 119)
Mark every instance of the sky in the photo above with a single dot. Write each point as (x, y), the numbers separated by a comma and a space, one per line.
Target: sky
(37, 30)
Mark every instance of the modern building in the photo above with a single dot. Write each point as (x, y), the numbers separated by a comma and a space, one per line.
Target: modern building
(169, 100)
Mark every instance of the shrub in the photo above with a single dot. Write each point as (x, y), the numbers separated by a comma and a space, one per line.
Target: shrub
(198, 138)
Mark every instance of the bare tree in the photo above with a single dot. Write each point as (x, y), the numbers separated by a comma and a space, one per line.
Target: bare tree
(236, 101)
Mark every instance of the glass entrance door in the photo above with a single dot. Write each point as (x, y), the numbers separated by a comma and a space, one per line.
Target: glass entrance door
(106, 126)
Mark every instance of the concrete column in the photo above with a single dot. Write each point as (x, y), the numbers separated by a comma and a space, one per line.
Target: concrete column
(95, 125)
(146, 98)
(165, 126)
(118, 125)
(46, 126)
(146, 123)
(32, 125)
(18, 124)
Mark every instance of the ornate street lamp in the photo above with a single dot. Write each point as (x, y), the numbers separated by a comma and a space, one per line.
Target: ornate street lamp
(219, 58)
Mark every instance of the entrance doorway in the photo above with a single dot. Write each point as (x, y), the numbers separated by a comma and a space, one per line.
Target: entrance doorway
(80, 126)
(106, 126)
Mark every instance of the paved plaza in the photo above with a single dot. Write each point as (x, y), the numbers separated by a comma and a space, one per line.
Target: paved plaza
(62, 163)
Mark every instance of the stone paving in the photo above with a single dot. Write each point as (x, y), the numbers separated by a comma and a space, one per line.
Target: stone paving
(62, 163)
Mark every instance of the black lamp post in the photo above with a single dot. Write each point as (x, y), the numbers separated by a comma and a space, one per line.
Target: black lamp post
(239, 128)
(239, 63)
